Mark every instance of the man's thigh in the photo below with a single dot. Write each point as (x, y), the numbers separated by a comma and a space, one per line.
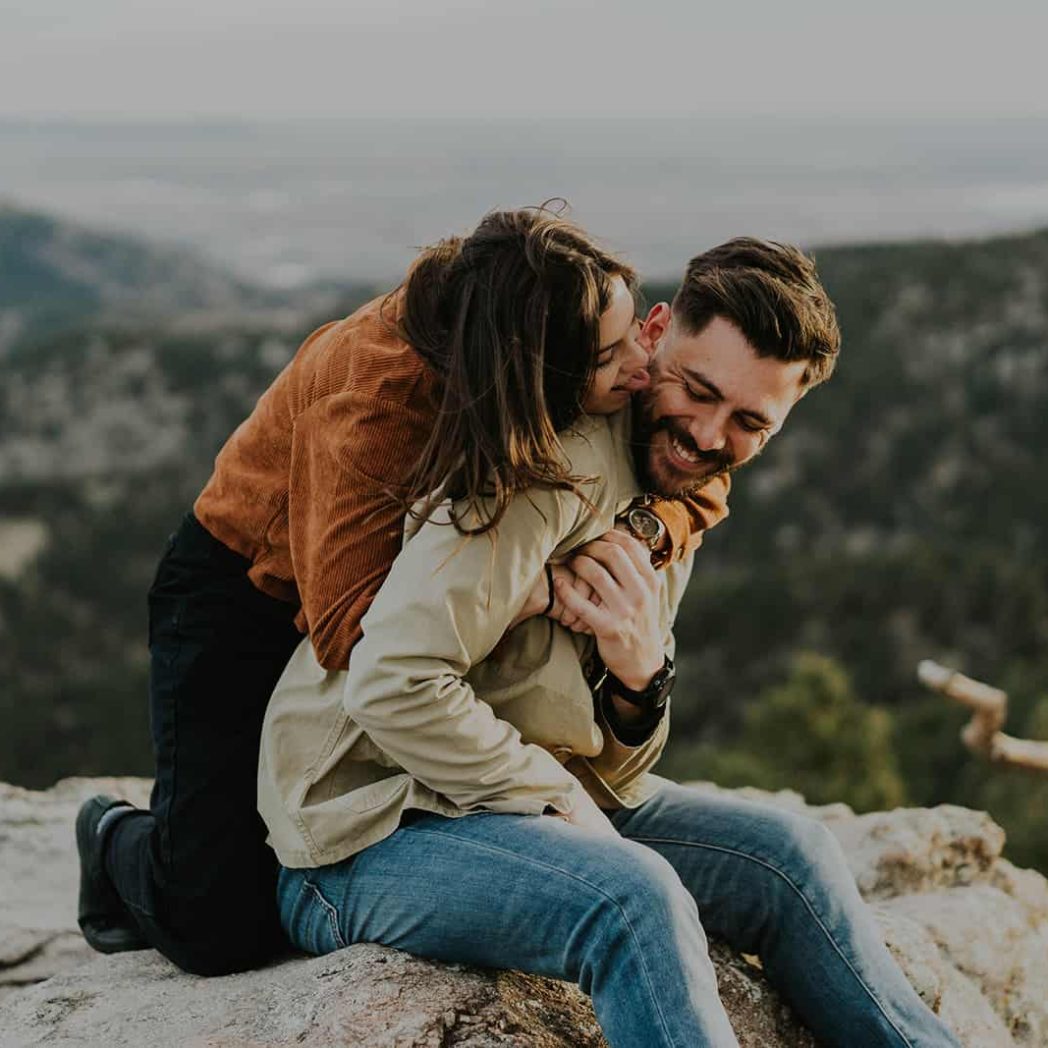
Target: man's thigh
(738, 858)
(488, 889)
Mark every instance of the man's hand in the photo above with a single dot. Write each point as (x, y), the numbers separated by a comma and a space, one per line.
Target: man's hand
(617, 567)
(559, 613)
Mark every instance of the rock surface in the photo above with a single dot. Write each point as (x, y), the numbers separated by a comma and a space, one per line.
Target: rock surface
(969, 929)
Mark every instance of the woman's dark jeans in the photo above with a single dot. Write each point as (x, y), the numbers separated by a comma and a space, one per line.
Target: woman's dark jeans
(195, 871)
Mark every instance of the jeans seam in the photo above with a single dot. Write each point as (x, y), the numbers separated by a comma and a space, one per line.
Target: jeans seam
(329, 909)
(581, 880)
(807, 904)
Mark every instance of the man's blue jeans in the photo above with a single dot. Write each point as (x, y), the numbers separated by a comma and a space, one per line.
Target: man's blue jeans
(621, 917)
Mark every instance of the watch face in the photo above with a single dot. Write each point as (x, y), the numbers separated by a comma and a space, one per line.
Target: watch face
(664, 683)
(645, 525)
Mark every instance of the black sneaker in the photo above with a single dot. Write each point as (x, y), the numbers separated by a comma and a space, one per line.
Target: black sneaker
(101, 914)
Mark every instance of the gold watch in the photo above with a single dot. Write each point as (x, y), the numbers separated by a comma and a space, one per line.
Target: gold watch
(646, 526)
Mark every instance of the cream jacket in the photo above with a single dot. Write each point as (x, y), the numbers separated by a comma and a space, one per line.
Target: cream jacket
(434, 712)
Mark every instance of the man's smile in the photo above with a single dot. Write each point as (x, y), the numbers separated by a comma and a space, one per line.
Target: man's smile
(682, 454)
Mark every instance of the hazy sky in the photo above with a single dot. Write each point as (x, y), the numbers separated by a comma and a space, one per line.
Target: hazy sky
(329, 58)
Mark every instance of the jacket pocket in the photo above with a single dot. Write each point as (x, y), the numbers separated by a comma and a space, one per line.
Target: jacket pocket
(377, 794)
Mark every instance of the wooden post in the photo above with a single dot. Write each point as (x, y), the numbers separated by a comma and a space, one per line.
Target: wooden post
(982, 734)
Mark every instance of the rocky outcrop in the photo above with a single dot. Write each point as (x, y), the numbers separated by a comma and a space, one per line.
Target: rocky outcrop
(969, 929)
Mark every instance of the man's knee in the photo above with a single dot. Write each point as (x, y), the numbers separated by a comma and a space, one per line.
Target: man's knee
(639, 908)
(646, 889)
(807, 853)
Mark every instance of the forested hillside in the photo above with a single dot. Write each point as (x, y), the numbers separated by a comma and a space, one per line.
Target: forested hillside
(900, 515)
(55, 273)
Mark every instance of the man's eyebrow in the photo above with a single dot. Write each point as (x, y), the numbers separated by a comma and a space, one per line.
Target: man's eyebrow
(702, 380)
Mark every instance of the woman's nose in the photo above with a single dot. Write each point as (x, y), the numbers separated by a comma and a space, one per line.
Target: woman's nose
(640, 379)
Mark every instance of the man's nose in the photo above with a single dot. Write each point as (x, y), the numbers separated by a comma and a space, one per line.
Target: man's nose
(709, 432)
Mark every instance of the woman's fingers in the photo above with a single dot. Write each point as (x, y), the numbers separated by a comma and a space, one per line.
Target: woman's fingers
(612, 574)
(586, 613)
(580, 586)
(601, 579)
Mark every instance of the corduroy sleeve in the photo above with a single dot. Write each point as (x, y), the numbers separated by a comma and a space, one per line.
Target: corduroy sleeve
(689, 517)
(345, 530)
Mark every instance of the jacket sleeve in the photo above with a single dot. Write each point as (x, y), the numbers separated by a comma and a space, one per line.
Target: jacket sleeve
(619, 763)
(444, 607)
(346, 525)
(689, 517)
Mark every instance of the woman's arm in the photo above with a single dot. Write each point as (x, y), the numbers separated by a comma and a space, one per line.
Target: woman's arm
(443, 608)
(346, 525)
(686, 520)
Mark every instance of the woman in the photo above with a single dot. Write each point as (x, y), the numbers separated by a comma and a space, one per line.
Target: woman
(467, 372)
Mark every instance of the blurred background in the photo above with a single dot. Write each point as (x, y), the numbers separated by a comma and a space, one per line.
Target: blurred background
(186, 191)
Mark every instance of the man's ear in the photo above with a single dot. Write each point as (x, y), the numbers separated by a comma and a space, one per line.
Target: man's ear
(654, 326)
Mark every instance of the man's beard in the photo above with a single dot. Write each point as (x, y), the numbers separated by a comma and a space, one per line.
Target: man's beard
(644, 432)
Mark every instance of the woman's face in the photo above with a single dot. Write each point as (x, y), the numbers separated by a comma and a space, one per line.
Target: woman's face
(622, 361)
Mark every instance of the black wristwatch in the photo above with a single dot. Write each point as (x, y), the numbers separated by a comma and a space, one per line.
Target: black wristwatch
(654, 696)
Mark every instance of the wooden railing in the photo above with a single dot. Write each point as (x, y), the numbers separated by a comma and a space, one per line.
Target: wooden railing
(982, 734)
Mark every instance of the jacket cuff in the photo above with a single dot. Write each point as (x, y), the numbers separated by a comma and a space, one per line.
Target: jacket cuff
(636, 732)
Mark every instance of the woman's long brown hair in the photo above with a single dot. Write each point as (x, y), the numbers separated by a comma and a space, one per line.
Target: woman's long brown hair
(509, 317)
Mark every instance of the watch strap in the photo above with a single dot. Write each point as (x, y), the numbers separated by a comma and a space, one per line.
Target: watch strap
(653, 696)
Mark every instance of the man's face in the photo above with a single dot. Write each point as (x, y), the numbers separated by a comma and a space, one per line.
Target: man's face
(712, 404)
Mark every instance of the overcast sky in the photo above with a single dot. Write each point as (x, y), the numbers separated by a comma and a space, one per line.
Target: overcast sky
(330, 58)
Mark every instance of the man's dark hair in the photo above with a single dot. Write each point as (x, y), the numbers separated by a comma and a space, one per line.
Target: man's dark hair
(509, 317)
(772, 294)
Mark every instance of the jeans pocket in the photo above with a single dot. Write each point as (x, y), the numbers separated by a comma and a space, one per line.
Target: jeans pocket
(312, 923)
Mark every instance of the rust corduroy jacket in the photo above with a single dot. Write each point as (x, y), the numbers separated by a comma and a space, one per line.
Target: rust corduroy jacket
(298, 488)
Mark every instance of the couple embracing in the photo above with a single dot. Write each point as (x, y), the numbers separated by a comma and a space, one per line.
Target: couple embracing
(420, 620)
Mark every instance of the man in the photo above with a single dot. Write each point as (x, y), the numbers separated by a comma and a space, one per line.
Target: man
(402, 797)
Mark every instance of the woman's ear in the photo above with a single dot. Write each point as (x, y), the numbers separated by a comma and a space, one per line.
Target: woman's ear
(654, 326)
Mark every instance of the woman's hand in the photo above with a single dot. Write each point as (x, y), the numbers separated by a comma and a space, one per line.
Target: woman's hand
(625, 623)
(538, 599)
(581, 588)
